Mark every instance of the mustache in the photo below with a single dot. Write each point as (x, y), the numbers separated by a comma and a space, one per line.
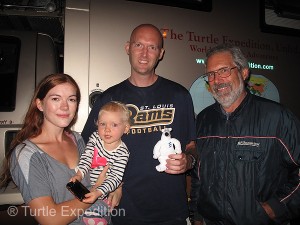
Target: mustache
(218, 86)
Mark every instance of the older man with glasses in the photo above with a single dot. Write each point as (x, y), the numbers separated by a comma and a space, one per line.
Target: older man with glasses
(249, 151)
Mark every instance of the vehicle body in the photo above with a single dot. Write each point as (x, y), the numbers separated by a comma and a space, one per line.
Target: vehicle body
(26, 57)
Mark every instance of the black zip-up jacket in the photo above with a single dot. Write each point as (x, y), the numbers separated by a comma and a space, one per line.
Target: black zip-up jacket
(246, 158)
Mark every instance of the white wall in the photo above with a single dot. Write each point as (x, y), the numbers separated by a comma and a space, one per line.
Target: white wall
(111, 22)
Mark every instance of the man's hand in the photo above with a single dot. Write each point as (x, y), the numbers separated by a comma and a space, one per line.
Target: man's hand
(180, 163)
(176, 164)
(114, 197)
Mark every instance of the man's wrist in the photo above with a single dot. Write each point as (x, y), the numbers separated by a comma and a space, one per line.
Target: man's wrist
(268, 210)
(191, 161)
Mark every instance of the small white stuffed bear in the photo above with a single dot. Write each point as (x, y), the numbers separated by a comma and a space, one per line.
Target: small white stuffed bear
(164, 148)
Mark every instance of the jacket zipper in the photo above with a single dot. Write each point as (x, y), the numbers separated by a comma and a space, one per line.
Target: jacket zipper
(225, 167)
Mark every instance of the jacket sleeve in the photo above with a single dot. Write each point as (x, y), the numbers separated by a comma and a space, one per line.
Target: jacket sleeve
(287, 200)
(195, 186)
(195, 176)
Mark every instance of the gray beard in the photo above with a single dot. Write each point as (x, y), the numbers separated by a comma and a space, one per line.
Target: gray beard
(226, 100)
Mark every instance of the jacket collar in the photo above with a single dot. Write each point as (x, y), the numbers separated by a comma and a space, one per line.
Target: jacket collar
(238, 110)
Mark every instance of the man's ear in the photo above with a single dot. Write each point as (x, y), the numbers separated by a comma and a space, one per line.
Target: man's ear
(127, 45)
(245, 73)
(161, 54)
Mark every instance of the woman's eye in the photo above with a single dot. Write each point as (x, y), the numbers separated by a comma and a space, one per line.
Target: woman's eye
(55, 99)
(73, 100)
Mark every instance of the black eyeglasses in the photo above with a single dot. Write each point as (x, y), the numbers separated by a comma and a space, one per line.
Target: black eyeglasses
(222, 72)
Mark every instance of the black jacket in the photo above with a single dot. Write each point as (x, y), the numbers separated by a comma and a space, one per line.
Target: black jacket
(247, 157)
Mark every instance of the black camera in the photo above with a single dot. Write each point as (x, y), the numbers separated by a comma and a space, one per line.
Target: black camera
(77, 189)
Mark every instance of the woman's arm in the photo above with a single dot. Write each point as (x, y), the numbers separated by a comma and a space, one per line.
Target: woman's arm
(46, 211)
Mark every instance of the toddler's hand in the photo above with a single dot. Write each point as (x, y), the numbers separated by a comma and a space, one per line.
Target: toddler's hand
(76, 177)
(92, 196)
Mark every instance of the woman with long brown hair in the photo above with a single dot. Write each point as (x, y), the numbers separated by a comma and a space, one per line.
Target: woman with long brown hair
(43, 156)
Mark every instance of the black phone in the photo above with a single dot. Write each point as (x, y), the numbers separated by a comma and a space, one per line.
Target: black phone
(77, 189)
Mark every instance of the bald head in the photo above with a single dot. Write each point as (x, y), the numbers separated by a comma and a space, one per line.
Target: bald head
(147, 28)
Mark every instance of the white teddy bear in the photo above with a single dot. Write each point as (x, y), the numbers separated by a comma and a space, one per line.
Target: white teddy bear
(164, 148)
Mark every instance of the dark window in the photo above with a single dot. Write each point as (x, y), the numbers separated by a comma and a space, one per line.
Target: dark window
(9, 63)
(9, 136)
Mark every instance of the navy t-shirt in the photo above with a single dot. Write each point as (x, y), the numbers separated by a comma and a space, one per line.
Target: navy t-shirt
(150, 197)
